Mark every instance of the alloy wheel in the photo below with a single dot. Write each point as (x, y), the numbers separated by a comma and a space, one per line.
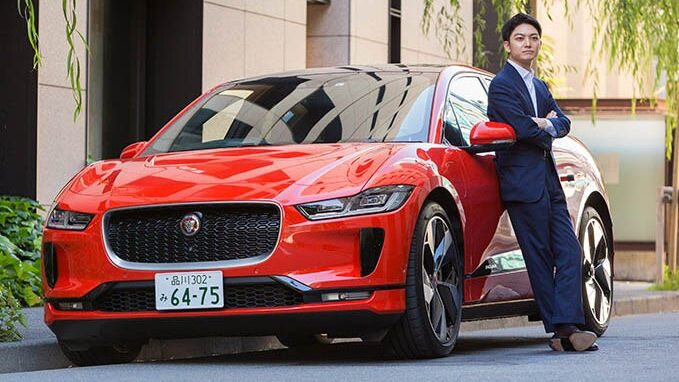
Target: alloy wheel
(440, 279)
(597, 276)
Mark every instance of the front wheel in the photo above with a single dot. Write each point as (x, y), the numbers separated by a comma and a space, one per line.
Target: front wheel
(597, 278)
(102, 355)
(431, 322)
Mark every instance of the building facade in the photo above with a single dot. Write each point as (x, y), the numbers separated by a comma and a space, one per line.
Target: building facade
(629, 144)
(149, 58)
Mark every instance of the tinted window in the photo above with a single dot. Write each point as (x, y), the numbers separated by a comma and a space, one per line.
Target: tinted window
(329, 108)
(465, 106)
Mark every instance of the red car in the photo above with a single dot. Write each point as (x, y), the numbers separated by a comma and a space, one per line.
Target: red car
(348, 202)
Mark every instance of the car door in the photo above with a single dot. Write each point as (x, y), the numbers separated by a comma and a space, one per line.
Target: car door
(494, 266)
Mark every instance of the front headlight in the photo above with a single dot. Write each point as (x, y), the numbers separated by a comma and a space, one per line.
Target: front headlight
(370, 201)
(61, 219)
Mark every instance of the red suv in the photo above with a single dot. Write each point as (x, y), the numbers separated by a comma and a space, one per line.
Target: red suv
(349, 202)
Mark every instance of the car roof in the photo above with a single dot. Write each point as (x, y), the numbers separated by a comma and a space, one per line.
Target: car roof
(384, 68)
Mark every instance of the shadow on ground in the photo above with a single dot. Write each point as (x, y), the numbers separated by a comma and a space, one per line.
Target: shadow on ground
(360, 352)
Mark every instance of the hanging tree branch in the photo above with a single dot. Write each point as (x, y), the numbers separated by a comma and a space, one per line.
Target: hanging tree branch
(635, 36)
(72, 60)
(453, 42)
(26, 10)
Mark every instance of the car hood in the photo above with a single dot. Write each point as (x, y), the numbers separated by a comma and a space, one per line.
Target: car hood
(284, 173)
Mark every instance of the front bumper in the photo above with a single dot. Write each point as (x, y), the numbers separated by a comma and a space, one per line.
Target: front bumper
(320, 256)
(82, 334)
(338, 319)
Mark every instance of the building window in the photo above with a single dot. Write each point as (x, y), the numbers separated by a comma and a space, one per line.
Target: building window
(394, 31)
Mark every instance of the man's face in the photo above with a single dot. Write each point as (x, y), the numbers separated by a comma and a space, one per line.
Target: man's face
(524, 44)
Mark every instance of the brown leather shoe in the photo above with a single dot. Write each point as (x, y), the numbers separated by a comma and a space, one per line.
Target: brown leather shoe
(577, 340)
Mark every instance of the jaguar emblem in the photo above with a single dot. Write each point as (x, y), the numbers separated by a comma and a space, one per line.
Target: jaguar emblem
(190, 224)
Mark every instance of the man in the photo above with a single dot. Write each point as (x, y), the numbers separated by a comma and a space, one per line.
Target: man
(530, 186)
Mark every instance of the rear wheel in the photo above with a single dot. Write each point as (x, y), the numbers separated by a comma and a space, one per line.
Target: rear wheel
(597, 278)
(102, 355)
(431, 322)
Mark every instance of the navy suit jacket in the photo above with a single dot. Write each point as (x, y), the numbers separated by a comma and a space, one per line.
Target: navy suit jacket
(521, 168)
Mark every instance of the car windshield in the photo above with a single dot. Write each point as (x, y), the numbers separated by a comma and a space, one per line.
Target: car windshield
(302, 109)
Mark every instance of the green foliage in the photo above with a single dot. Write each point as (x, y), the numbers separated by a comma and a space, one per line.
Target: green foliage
(72, 60)
(448, 25)
(20, 278)
(22, 225)
(27, 11)
(635, 36)
(10, 314)
(548, 70)
(449, 30)
(20, 240)
(671, 282)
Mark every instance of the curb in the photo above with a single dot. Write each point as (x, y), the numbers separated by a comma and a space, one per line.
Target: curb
(44, 353)
(33, 355)
(667, 302)
(664, 302)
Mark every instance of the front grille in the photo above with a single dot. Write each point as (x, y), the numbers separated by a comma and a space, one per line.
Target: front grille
(141, 299)
(227, 232)
(127, 300)
(260, 296)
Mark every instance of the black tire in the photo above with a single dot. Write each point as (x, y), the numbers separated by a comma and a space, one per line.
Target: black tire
(303, 340)
(597, 278)
(417, 334)
(102, 355)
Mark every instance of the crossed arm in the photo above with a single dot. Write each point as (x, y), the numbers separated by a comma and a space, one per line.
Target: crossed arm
(561, 123)
(504, 106)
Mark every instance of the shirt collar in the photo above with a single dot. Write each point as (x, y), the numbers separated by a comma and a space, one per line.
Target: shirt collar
(525, 74)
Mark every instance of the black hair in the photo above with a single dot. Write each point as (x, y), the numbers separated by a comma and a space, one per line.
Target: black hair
(515, 21)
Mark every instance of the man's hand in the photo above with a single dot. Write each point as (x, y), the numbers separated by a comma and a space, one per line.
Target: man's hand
(542, 122)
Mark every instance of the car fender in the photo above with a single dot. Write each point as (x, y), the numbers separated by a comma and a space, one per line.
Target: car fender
(412, 165)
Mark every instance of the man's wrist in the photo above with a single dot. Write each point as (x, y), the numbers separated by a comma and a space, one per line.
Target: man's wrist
(549, 128)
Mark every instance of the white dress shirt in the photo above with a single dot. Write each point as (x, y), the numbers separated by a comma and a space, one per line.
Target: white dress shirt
(528, 76)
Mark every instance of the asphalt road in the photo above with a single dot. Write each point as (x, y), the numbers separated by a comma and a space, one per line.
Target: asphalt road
(640, 347)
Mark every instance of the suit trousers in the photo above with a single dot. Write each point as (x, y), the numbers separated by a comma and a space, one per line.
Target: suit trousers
(551, 251)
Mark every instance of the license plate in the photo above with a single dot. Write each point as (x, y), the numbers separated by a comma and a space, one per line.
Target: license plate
(189, 290)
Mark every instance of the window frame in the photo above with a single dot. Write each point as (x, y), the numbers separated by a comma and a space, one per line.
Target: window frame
(480, 78)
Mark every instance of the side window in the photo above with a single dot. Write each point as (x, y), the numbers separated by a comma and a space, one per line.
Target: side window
(465, 106)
